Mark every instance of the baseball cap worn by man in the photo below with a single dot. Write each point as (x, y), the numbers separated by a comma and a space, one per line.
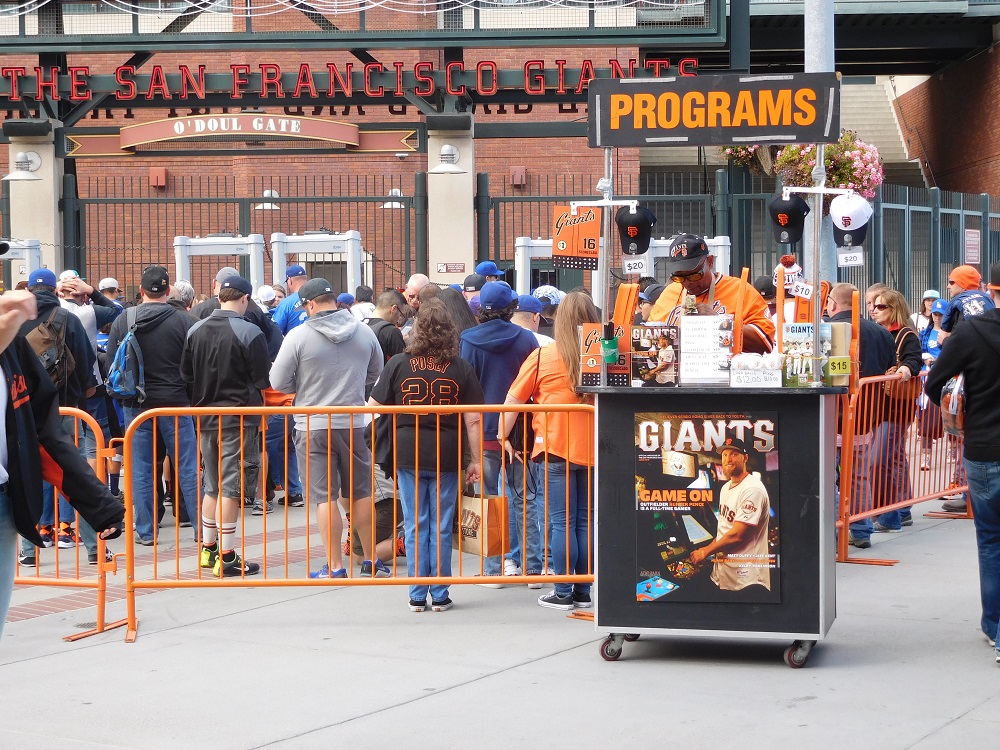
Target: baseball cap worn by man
(474, 282)
(266, 294)
(555, 296)
(527, 303)
(687, 251)
(238, 283)
(496, 295)
(733, 444)
(850, 214)
(108, 283)
(765, 287)
(652, 293)
(994, 277)
(940, 306)
(315, 288)
(68, 274)
(225, 272)
(42, 276)
(966, 277)
(489, 268)
(345, 298)
(635, 229)
(788, 218)
(155, 279)
(294, 271)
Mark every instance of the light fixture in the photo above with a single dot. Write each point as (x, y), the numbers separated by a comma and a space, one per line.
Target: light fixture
(449, 161)
(394, 193)
(267, 205)
(26, 163)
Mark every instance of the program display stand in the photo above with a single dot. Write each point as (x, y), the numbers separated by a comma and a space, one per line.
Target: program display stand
(665, 494)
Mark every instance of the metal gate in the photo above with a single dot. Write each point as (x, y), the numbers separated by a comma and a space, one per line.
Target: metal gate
(126, 225)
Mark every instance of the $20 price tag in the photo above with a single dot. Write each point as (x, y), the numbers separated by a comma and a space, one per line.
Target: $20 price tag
(636, 265)
(850, 257)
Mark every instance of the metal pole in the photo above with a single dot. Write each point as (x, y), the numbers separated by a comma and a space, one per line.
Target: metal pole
(819, 51)
(602, 289)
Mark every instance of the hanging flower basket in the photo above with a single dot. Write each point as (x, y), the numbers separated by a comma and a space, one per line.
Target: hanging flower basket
(758, 159)
(850, 163)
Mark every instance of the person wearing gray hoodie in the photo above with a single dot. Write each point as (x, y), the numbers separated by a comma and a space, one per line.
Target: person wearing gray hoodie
(331, 360)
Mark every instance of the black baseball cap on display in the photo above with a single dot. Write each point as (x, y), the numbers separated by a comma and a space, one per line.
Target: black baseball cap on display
(315, 288)
(789, 217)
(635, 229)
(733, 444)
(155, 279)
(686, 252)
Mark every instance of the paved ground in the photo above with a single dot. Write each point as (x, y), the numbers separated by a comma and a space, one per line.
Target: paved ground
(905, 666)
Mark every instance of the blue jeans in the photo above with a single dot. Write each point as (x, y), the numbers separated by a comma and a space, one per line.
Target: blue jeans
(523, 482)
(280, 440)
(861, 488)
(894, 483)
(492, 566)
(8, 543)
(984, 490)
(143, 456)
(420, 511)
(570, 530)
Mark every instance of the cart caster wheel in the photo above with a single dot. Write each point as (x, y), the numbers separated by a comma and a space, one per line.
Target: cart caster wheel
(797, 654)
(631, 637)
(610, 650)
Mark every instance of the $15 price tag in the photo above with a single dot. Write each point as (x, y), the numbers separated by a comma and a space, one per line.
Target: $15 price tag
(840, 365)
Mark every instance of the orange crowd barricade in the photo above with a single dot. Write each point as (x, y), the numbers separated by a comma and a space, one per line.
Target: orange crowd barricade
(894, 454)
(63, 564)
(287, 542)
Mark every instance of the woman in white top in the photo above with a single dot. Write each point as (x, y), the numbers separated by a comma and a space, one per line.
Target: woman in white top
(922, 317)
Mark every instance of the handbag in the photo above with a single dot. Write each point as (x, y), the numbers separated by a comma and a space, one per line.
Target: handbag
(899, 390)
(522, 436)
(481, 525)
(953, 405)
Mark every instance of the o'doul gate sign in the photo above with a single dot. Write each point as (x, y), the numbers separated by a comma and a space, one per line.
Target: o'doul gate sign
(715, 110)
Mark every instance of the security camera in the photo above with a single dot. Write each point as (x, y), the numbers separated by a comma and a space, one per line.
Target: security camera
(401, 155)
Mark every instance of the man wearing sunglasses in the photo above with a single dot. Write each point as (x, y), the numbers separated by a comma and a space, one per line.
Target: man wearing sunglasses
(696, 289)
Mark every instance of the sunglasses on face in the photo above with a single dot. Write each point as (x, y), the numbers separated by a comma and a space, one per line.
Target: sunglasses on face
(880, 306)
(694, 276)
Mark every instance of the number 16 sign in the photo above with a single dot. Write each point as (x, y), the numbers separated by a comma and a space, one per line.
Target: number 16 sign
(576, 239)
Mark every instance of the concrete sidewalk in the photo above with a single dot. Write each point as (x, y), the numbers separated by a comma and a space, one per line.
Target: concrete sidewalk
(905, 666)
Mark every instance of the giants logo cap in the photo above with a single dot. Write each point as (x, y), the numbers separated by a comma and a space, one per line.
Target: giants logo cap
(850, 214)
(686, 253)
(635, 229)
(789, 217)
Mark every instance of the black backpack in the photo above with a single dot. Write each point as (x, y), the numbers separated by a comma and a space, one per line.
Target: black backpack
(48, 340)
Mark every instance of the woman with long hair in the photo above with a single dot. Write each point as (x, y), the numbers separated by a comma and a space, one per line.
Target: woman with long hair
(921, 319)
(458, 309)
(427, 445)
(564, 446)
(929, 426)
(891, 311)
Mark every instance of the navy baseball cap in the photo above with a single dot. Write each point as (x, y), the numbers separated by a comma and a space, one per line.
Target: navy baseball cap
(489, 268)
(292, 271)
(496, 295)
(238, 283)
(527, 303)
(42, 276)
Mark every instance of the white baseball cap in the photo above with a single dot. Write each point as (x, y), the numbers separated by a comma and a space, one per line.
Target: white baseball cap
(266, 294)
(850, 214)
(68, 274)
(108, 283)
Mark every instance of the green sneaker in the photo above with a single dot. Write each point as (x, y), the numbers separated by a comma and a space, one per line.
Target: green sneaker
(209, 554)
(234, 567)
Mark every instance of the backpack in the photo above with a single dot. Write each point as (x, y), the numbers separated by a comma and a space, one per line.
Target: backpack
(48, 340)
(126, 377)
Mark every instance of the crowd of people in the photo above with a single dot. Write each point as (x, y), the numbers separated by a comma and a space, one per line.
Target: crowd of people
(429, 345)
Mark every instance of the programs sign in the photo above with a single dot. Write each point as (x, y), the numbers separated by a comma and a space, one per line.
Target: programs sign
(715, 110)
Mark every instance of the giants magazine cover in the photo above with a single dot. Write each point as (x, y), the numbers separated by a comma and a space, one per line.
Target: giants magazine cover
(707, 499)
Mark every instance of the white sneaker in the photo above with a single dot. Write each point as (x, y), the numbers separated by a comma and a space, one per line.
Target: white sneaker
(510, 568)
(489, 585)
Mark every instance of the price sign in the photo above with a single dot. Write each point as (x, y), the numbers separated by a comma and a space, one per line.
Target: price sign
(636, 265)
(802, 289)
(847, 257)
(840, 365)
